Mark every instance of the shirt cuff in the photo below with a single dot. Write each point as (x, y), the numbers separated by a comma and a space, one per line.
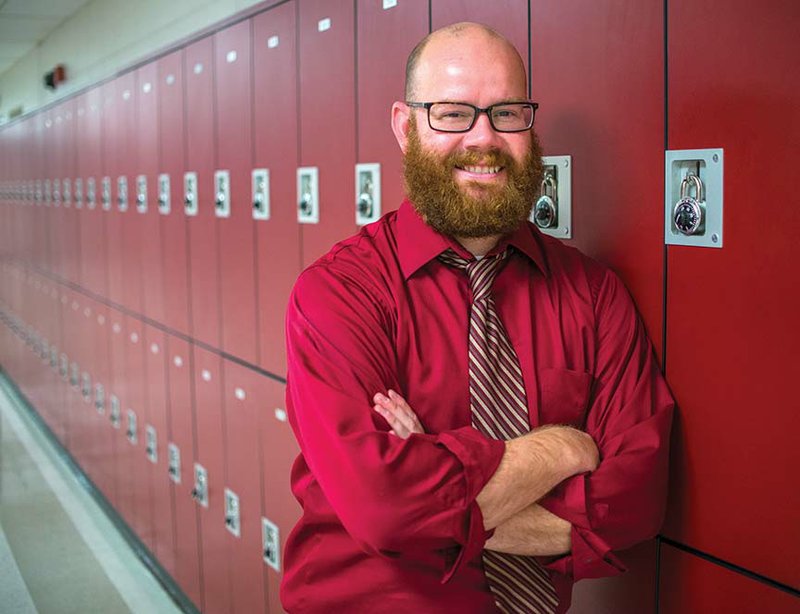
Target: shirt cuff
(590, 556)
(479, 456)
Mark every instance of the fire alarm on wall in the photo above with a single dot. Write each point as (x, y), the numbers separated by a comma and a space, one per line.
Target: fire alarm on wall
(54, 77)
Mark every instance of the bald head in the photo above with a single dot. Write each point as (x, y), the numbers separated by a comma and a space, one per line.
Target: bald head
(454, 35)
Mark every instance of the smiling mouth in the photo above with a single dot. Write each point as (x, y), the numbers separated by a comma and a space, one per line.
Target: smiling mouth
(481, 170)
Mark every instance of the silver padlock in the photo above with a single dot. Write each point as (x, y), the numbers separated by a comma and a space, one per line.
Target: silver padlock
(545, 212)
(689, 213)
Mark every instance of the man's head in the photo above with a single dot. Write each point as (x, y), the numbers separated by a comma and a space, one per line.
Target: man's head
(475, 183)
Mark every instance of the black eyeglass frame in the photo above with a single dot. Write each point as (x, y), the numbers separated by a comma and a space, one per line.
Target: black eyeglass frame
(478, 110)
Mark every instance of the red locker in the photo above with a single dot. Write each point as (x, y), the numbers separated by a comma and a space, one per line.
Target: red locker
(104, 437)
(232, 64)
(136, 418)
(327, 118)
(731, 333)
(146, 189)
(691, 585)
(171, 168)
(210, 429)
(275, 149)
(128, 97)
(279, 451)
(625, 78)
(509, 17)
(200, 144)
(108, 193)
(244, 397)
(385, 38)
(182, 456)
(120, 465)
(64, 124)
(157, 435)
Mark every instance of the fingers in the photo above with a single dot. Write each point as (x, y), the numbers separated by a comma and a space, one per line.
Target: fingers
(398, 414)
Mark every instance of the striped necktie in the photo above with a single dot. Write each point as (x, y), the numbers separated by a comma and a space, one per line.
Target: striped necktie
(499, 410)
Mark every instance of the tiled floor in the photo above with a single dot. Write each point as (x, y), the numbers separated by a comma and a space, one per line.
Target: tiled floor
(59, 552)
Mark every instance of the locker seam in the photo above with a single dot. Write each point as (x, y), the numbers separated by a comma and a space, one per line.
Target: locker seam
(732, 567)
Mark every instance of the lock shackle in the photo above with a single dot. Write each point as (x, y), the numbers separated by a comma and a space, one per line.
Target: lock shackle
(698, 184)
(548, 181)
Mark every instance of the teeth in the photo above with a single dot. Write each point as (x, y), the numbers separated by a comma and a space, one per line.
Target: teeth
(482, 170)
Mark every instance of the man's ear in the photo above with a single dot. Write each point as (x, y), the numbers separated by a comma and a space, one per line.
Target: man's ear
(400, 124)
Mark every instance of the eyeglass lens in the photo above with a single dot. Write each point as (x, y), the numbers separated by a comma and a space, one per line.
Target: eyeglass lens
(455, 117)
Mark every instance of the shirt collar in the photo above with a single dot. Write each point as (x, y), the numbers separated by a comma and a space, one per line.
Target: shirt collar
(418, 243)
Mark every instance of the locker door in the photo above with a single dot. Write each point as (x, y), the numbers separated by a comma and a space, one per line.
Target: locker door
(625, 80)
(275, 149)
(211, 458)
(689, 585)
(91, 174)
(146, 187)
(183, 457)
(120, 465)
(731, 338)
(104, 437)
(200, 144)
(509, 17)
(244, 397)
(128, 97)
(385, 38)
(83, 164)
(135, 419)
(107, 187)
(173, 222)
(157, 435)
(65, 169)
(279, 451)
(234, 155)
(327, 118)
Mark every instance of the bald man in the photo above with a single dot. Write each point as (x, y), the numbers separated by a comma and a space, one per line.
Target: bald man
(480, 416)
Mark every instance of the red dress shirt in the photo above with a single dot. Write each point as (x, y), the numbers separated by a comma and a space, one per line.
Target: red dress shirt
(391, 525)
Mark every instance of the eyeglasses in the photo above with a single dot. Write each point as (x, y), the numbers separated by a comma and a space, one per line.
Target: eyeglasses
(461, 116)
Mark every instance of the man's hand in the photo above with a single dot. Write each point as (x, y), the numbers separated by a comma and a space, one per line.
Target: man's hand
(398, 414)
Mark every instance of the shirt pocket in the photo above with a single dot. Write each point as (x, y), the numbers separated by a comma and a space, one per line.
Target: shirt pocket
(564, 396)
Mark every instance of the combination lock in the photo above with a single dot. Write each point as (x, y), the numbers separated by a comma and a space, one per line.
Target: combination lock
(688, 215)
(545, 212)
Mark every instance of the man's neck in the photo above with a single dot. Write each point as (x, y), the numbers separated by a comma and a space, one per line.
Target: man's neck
(479, 246)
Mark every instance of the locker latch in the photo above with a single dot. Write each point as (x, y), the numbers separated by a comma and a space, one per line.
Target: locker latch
(174, 454)
(122, 193)
(222, 194)
(164, 204)
(78, 192)
(99, 398)
(131, 433)
(200, 490)
(552, 212)
(308, 195)
(260, 193)
(693, 197)
(151, 444)
(190, 193)
(141, 193)
(232, 519)
(368, 193)
(115, 413)
(271, 540)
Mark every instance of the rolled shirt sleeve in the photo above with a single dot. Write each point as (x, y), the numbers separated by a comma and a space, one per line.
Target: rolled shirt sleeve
(392, 495)
(630, 411)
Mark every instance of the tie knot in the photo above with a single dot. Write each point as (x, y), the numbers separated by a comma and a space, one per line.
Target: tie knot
(481, 272)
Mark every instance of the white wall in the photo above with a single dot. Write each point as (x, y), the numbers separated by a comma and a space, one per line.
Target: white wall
(103, 37)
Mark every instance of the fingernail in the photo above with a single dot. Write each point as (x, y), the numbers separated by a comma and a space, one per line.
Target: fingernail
(379, 398)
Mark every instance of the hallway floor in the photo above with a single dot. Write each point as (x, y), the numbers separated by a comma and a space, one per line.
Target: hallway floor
(59, 552)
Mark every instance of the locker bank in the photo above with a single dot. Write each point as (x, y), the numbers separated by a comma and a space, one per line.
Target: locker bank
(158, 202)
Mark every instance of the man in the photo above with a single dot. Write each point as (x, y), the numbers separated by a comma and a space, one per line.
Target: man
(480, 415)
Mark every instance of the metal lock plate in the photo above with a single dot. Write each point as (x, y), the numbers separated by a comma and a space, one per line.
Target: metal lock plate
(78, 192)
(66, 193)
(693, 221)
(555, 212)
(271, 540)
(222, 194)
(260, 193)
(151, 443)
(106, 189)
(368, 193)
(164, 201)
(141, 193)
(308, 195)
(200, 490)
(63, 367)
(56, 192)
(132, 432)
(74, 375)
(174, 470)
(54, 357)
(39, 196)
(232, 518)
(48, 194)
(100, 398)
(86, 387)
(190, 193)
(122, 193)
(115, 412)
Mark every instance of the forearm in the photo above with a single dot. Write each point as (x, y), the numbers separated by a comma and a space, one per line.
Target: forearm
(531, 466)
(534, 532)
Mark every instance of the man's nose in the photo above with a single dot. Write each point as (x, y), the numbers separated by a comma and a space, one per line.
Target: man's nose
(481, 134)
